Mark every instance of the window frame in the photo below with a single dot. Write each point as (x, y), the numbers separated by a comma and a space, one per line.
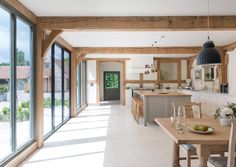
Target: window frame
(14, 15)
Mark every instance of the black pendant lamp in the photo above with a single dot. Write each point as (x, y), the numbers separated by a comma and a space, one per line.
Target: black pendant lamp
(208, 54)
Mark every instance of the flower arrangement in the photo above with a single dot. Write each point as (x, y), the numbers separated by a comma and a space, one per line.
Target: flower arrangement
(228, 110)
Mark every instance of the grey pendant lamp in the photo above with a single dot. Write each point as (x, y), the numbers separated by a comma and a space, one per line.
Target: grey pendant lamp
(208, 54)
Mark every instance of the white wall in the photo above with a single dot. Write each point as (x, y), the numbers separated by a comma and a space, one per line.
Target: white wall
(91, 87)
(232, 72)
(110, 67)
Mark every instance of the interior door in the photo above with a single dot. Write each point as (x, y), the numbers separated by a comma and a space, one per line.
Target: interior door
(111, 85)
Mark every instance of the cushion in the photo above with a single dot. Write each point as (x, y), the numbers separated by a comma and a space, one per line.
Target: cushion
(189, 147)
(218, 161)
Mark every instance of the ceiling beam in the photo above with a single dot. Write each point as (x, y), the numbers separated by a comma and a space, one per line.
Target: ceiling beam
(142, 23)
(138, 50)
(230, 47)
(64, 43)
(50, 38)
(22, 9)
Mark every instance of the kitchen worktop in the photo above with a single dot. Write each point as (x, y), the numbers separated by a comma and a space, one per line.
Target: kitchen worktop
(159, 93)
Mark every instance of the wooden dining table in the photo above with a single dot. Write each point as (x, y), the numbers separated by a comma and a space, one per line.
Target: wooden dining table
(206, 144)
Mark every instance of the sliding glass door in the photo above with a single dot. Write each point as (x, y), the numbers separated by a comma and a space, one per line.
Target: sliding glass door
(58, 79)
(5, 81)
(56, 88)
(17, 125)
(47, 83)
(66, 109)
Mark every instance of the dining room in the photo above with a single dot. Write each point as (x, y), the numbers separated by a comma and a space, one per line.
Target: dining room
(117, 83)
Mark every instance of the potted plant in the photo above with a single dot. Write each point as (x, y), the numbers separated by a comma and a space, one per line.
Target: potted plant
(226, 113)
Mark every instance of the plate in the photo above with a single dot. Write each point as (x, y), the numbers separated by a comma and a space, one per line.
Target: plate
(209, 131)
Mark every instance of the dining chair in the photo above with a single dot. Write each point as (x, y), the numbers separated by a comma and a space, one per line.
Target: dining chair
(230, 160)
(192, 110)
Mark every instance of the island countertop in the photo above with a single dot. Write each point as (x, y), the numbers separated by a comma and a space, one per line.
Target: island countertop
(156, 93)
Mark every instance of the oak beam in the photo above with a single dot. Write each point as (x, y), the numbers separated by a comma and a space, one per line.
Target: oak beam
(141, 80)
(190, 61)
(139, 23)
(98, 81)
(139, 50)
(73, 83)
(153, 81)
(108, 59)
(39, 90)
(230, 47)
(22, 9)
(65, 44)
(47, 42)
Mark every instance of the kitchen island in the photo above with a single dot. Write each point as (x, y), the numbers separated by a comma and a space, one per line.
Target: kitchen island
(158, 104)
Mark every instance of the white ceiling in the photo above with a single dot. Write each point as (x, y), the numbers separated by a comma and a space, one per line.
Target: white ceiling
(137, 8)
(129, 7)
(146, 39)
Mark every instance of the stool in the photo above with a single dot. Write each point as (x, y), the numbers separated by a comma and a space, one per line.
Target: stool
(133, 106)
(139, 109)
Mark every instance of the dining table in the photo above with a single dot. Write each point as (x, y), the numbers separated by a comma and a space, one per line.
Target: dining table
(206, 143)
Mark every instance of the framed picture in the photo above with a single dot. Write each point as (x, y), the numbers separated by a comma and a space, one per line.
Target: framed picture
(198, 74)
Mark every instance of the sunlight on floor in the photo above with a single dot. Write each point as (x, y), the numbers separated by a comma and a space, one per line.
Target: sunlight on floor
(82, 140)
(105, 136)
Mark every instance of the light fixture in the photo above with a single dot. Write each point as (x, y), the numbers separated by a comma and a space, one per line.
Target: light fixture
(208, 54)
(151, 68)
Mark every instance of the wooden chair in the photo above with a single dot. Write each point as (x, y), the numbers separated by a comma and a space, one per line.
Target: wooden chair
(190, 113)
(224, 161)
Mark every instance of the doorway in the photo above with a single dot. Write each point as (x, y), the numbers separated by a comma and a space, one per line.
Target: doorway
(111, 84)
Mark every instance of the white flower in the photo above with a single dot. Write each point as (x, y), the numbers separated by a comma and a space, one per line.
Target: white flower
(225, 111)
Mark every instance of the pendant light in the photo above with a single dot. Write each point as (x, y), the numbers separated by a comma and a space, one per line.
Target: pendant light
(208, 54)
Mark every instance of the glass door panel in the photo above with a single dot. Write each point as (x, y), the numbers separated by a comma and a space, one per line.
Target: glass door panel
(23, 82)
(58, 85)
(66, 85)
(5, 81)
(47, 83)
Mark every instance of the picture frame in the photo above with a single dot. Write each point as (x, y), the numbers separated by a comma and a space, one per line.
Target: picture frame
(198, 74)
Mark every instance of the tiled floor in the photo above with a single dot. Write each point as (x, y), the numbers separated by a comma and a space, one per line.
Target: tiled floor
(105, 136)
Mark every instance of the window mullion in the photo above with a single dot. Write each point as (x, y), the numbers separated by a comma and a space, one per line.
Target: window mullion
(62, 80)
(13, 81)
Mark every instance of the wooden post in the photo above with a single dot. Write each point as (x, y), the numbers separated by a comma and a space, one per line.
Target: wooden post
(179, 73)
(189, 65)
(98, 80)
(73, 83)
(124, 83)
(158, 72)
(48, 41)
(39, 88)
(141, 79)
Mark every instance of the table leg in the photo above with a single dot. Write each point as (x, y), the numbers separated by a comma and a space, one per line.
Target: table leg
(175, 155)
(203, 154)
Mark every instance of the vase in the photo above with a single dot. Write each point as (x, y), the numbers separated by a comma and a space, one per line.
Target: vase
(225, 121)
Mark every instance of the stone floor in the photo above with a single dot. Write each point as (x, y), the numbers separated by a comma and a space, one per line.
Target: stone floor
(105, 136)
